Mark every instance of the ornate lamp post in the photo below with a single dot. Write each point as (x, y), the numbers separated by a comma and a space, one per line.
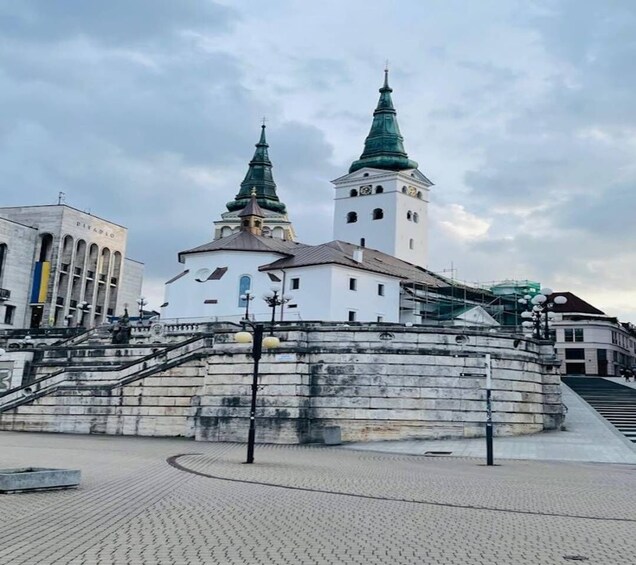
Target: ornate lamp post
(537, 317)
(247, 297)
(141, 302)
(258, 342)
(274, 298)
(84, 308)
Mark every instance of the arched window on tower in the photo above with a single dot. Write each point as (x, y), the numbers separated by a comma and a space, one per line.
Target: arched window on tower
(419, 194)
(365, 175)
(411, 244)
(379, 189)
(352, 217)
(404, 189)
(378, 214)
(409, 215)
(353, 192)
(416, 217)
(363, 241)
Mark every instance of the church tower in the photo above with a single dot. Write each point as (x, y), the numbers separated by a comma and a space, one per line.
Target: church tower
(259, 181)
(382, 203)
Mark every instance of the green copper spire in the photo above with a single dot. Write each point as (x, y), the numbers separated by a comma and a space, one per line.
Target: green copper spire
(258, 177)
(384, 146)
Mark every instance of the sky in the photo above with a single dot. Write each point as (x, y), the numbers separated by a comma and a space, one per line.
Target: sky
(146, 112)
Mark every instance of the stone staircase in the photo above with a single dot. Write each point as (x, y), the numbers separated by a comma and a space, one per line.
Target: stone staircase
(615, 402)
(101, 375)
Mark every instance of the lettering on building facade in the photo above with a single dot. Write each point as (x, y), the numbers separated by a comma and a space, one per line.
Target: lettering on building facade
(99, 231)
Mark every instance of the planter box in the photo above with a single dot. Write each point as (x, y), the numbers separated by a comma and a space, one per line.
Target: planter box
(37, 478)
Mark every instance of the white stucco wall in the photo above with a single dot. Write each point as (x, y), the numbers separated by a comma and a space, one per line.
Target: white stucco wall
(186, 296)
(323, 292)
(391, 234)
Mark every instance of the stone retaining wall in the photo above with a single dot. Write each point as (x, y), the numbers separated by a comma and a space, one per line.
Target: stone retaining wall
(392, 384)
(373, 382)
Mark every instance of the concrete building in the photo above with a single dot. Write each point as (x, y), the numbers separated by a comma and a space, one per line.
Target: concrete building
(54, 259)
(589, 342)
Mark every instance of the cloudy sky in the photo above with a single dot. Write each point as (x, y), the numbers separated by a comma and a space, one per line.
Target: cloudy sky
(523, 114)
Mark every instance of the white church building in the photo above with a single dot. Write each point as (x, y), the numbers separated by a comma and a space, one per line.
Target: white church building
(373, 271)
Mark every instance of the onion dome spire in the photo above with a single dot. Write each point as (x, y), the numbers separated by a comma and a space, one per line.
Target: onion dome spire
(384, 146)
(259, 176)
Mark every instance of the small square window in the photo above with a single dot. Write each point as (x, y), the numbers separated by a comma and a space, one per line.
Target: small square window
(295, 284)
(380, 319)
(352, 315)
(353, 284)
(380, 290)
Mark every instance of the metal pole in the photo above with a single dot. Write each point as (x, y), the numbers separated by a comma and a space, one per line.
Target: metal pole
(489, 430)
(257, 347)
(273, 305)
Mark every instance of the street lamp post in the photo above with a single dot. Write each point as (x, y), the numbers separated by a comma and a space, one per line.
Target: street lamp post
(247, 297)
(141, 302)
(275, 298)
(84, 308)
(537, 317)
(258, 342)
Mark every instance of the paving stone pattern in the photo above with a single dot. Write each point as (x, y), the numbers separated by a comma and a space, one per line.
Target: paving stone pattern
(304, 504)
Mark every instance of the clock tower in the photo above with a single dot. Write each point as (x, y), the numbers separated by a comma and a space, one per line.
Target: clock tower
(382, 203)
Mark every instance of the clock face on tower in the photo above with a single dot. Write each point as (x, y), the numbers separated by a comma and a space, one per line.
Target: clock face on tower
(366, 189)
(412, 191)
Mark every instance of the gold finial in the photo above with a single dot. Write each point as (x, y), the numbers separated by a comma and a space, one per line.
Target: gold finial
(253, 193)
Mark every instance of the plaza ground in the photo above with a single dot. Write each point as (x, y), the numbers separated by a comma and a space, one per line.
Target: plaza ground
(156, 501)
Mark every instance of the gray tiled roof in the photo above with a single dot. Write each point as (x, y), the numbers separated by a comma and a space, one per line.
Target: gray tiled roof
(246, 241)
(341, 253)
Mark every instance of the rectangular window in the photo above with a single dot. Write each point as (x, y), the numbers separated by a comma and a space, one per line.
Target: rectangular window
(353, 284)
(294, 284)
(292, 306)
(380, 290)
(352, 314)
(575, 353)
(578, 334)
(9, 312)
(569, 335)
(614, 337)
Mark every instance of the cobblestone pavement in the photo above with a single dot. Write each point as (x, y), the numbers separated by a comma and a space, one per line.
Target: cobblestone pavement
(170, 501)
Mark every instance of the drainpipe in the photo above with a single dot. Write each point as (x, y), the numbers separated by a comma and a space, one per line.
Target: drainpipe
(282, 293)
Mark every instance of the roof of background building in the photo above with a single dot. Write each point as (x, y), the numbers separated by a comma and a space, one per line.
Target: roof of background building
(341, 253)
(246, 241)
(575, 305)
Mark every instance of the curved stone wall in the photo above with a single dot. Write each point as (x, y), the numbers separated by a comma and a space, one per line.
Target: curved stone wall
(380, 382)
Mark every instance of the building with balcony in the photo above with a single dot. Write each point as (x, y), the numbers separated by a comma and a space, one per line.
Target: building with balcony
(56, 259)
